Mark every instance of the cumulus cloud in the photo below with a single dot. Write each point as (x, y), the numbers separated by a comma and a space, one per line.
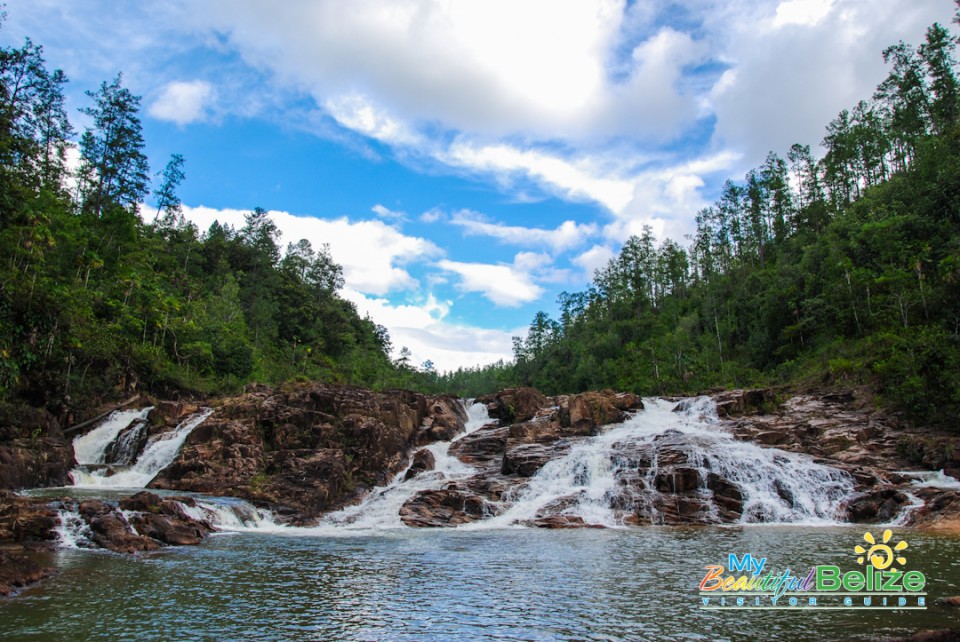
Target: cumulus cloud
(371, 252)
(595, 258)
(183, 102)
(505, 285)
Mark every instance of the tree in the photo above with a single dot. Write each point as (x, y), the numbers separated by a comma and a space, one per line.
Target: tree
(113, 167)
(167, 199)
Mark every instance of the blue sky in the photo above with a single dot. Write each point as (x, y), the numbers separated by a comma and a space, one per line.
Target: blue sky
(467, 161)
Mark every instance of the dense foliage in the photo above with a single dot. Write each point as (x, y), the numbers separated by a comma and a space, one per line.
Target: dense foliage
(98, 299)
(844, 268)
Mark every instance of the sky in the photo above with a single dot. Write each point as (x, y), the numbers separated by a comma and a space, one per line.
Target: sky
(465, 160)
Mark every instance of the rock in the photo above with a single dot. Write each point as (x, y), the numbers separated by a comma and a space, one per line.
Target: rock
(18, 572)
(448, 507)
(733, 403)
(166, 415)
(482, 447)
(446, 418)
(876, 505)
(33, 451)
(526, 459)
(308, 448)
(949, 601)
(423, 461)
(514, 405)
(586, 412)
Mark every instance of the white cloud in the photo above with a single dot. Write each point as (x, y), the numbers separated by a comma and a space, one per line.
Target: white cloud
(567, 235)
(432, 216)
(504, 285)
(581, 179)
(183, 102)
(801, 12)
(386, 213)
(371, 252)
(595, 258)
(424, 330)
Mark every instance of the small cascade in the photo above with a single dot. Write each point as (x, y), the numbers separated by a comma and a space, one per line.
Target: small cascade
(231, 514)
(931, 479)
(72, 531)
(158, 453)
(381, 508)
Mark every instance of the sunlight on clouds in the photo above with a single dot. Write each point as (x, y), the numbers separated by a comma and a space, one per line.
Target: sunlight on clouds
(357, 113)
(801, 12)
(183, 102)
(593, 259)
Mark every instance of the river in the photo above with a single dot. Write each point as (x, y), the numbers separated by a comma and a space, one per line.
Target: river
(362, 575)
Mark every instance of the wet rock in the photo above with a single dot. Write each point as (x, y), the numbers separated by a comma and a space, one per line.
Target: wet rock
(111, 530)
(172, 530)
(525, 459)
(447, 507)
(876, 505)
(26, 521)
(482, 447)
(423, 461)
(18, 572)
(931, 635)
(308, 448)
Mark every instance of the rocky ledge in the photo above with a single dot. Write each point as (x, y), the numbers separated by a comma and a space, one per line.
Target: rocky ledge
(305, 449)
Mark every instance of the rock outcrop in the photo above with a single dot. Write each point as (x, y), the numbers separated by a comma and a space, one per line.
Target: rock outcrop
(33, 451)
(306, 449)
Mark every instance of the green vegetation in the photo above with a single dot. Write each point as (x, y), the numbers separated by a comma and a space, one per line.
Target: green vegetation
(98, 300)
(845, 270)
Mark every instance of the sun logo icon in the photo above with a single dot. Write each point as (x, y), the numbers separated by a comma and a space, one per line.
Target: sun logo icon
(880, 555)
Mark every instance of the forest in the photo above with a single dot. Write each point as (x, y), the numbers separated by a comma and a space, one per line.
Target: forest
(842, 271)
(838, 270)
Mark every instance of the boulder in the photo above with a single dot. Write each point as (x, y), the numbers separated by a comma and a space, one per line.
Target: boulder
(447, 507)
(423, 461)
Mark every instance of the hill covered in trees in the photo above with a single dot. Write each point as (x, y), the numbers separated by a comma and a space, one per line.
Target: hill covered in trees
(843, 269)
(98, 298)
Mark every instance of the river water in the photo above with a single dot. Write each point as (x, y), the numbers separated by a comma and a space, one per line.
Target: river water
(511, 584)
(361, 575)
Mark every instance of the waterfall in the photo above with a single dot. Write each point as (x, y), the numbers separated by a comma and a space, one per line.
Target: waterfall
(158, 453)
(381, 508)
(91, 448)
(590, 481)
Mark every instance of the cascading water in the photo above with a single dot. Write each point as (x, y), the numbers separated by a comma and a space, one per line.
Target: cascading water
(158, 453)
(589, 482)
(92, 447)
(381, 509)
